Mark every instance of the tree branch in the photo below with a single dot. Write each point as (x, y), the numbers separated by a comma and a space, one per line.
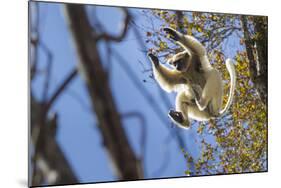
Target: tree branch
(126, 164)
(47, 151)
(107, 37)
(60, 89)
(49, 69)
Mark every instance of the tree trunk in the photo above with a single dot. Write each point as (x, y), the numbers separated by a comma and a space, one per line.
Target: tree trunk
(258, 64)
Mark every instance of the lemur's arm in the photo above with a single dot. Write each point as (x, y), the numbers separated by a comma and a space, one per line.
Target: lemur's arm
(168, 80)
(188, 42)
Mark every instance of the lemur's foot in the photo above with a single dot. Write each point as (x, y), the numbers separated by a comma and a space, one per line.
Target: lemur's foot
(176, 116)
(153, 59)
(173, 33)
(178, 119)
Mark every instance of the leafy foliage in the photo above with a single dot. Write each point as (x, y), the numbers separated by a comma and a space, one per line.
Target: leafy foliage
(241, 135)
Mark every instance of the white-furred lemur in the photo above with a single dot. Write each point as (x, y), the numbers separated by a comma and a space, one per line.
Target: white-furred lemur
(199, 86)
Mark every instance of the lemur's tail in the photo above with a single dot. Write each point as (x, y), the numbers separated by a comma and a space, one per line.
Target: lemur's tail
(231, 69)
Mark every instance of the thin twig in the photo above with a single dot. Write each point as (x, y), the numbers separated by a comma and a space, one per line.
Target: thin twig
(61, 88)
(49, 69)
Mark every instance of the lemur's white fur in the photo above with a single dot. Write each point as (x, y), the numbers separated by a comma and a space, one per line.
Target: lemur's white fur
(198, 84)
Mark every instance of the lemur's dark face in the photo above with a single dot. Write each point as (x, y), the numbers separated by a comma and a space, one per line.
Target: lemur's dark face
(180, 61)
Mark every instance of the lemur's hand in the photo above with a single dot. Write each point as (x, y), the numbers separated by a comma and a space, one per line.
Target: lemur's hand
(173, 33)
(153, 59)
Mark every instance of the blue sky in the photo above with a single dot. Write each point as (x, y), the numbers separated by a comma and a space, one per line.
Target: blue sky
(78, 134)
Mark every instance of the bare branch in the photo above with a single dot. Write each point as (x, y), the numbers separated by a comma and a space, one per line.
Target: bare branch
(47, 151)
(107, 37)
(126, 164)
(61, 88)
(49, 69)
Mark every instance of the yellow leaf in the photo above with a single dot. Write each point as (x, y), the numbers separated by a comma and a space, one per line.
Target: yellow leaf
(163, 45)
(174, 26)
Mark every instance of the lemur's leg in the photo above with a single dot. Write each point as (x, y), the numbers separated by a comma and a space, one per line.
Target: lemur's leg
(168, 79)
(180, 115)
(210, 99)
(187, 42)
(200, 97)
(203, 100)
